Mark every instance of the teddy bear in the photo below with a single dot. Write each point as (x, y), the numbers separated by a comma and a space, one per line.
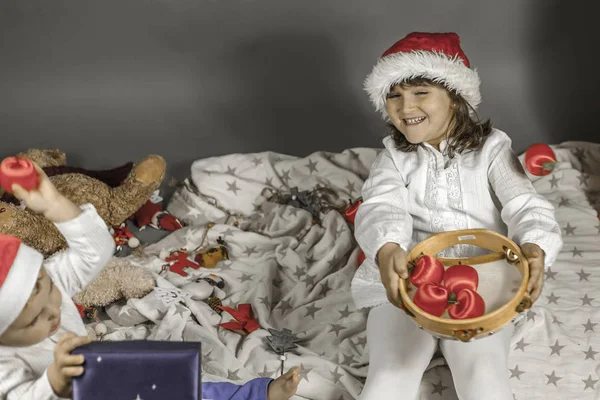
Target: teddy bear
(116, 193)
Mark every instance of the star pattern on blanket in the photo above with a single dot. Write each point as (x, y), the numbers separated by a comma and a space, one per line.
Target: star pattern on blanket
(569, 230)
(345, 313)
(516, 373)
(266, 373)
(553, 379)
(232, 187)
(336, 328)
(577, 252)
(311, 310)
(285, 305)
(336, 375)
(438, 388)
(233, 375)
(554, 182)
(590, 354)
(585, 300)
(589, 326)
(583, 276)
(556, 348)
(550, 275)
(245, 277)
(304, 372)
(312, 166)
(589, 382)
(521, 345)
(325, 288)
(552, 298)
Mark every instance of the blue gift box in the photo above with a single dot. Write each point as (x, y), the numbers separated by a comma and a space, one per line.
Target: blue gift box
(139, 370)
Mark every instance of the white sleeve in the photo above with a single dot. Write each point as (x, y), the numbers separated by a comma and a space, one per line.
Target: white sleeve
(383, 216)
(90, 247)
(528, 215)
(17, 382)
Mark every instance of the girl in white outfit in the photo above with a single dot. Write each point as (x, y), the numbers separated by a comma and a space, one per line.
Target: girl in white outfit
(441, 169)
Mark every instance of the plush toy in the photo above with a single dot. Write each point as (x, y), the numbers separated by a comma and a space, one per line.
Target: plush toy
(117, 194)
(120, 279)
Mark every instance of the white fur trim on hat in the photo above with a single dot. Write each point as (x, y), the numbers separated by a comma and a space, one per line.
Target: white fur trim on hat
(19, 284)
(397, 67)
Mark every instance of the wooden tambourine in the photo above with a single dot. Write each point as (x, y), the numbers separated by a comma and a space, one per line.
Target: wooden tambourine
(473, 328)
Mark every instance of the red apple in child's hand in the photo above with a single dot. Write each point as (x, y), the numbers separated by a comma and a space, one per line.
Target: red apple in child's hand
(432, 298)
(539, 159)
(426, 269)
(469, 304)
(461, 276)
(20, 171)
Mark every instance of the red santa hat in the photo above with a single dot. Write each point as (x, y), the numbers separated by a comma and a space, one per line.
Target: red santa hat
(436, 56)
(19, 269)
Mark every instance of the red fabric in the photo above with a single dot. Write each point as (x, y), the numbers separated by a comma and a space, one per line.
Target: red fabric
(427, 269)
(178, 260)
(469, 305)
(9, 247)
(459, 277)
(539, 159)
(244, 320)
(20, 171)
(168, 222)
(143, 216)
(447, 43)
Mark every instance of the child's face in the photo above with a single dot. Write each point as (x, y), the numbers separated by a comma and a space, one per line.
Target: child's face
(422, 113)
(39, 319)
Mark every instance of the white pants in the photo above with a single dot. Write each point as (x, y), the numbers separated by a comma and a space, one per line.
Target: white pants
(399, 353)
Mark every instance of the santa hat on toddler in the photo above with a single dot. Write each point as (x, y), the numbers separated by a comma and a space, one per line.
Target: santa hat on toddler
(19, 269)
(436, 56)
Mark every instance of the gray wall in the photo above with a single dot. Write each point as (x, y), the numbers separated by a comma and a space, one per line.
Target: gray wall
(112, 80)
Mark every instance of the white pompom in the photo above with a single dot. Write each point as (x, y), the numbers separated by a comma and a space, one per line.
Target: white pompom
(163, 254)
(133, 242)
(100, 329)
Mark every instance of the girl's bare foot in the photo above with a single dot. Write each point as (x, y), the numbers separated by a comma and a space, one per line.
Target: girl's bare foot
(285, 386)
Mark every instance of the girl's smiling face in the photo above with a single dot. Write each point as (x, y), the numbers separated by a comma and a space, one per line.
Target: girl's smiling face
(422, 113)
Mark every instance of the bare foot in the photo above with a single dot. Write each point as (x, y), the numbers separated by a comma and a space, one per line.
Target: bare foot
(285, 386)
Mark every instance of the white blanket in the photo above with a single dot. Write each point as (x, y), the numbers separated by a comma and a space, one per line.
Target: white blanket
(296, 275)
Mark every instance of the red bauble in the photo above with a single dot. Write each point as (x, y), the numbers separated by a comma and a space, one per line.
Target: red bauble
(427, 269)
(20, 171)
(469, 305)
(540, 159)
(432, 298)
(459, 277)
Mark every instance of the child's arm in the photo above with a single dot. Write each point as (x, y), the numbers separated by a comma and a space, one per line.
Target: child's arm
(383, 217)
(254, 389)
(528, 215)
(18, 382)
(90, 244)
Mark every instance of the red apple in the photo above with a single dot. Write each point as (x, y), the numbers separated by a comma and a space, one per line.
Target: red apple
(20, 171)
(469, 304)
(432, 298)
(361, 257)
(540, 159)
(350, 212)
(461, 276)
(426, 269)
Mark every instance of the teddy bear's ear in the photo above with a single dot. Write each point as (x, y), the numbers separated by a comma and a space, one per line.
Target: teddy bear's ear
(58, 156)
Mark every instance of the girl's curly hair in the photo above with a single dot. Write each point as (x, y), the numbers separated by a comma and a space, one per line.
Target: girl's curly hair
(467, 132)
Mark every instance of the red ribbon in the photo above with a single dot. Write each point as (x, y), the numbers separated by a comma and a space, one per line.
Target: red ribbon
(244, 320)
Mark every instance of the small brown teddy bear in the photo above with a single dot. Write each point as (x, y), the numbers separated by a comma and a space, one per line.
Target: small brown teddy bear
(116, 194)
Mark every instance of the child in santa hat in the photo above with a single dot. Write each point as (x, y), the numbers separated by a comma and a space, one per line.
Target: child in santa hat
(441, 170)
(39, 323)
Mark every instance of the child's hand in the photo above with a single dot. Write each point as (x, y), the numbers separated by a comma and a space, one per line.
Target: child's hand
(46, 199)
(66, 365)
(392, 266)
(41, 198)
(535, 258)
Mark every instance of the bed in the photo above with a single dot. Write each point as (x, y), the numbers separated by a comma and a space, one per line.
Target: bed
(295, 270)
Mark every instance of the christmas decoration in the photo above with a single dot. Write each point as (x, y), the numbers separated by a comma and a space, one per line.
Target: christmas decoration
(281, 342)
(540, 159)
(350, 215)
(15, 170)
(123, 236)
(177, 261)
(152, 214)
(316, 201)
(210, 258)
(244, 321)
